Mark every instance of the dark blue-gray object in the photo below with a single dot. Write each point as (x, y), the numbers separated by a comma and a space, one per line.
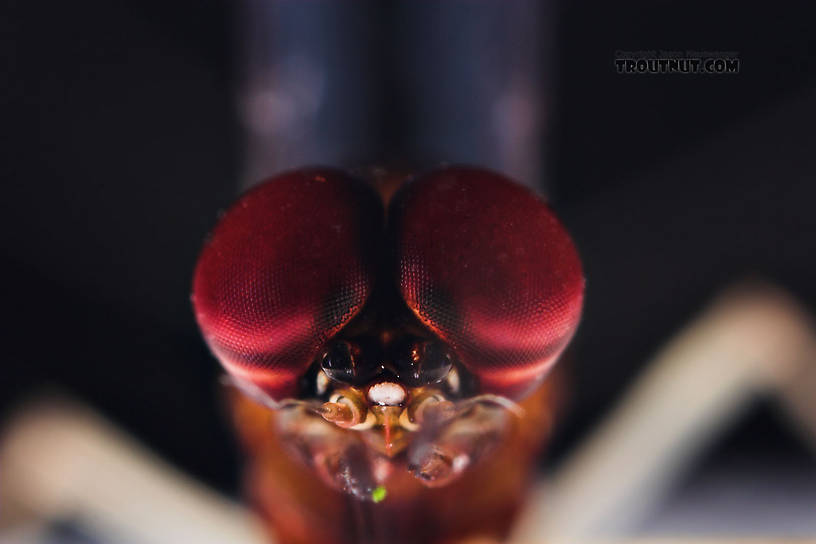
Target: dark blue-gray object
(401, 83)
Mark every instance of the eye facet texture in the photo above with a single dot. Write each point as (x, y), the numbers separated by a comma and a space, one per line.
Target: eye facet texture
(487, 266)
(286, 267)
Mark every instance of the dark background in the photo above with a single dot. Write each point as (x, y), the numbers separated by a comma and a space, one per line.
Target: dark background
(120, 143)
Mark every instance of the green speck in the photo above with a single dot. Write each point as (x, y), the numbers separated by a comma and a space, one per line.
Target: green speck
(378, 495)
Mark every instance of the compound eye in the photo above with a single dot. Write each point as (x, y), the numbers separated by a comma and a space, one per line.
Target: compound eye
(287, 267)
(487, 266)
(353, 363)
(421, 362)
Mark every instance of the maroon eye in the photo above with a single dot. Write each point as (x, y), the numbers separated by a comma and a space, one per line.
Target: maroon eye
(286, 267)
(487, 266)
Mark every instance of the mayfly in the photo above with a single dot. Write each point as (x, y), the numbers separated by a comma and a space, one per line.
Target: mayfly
(388, 338)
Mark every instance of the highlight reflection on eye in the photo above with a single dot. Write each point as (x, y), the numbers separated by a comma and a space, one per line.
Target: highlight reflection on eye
(351, 362)
(421, 362)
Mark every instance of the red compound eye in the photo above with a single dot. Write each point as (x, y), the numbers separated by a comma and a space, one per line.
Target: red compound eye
(287, 266)
(486, 265)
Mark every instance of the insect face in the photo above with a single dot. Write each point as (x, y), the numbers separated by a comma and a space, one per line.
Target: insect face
(409, 325)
